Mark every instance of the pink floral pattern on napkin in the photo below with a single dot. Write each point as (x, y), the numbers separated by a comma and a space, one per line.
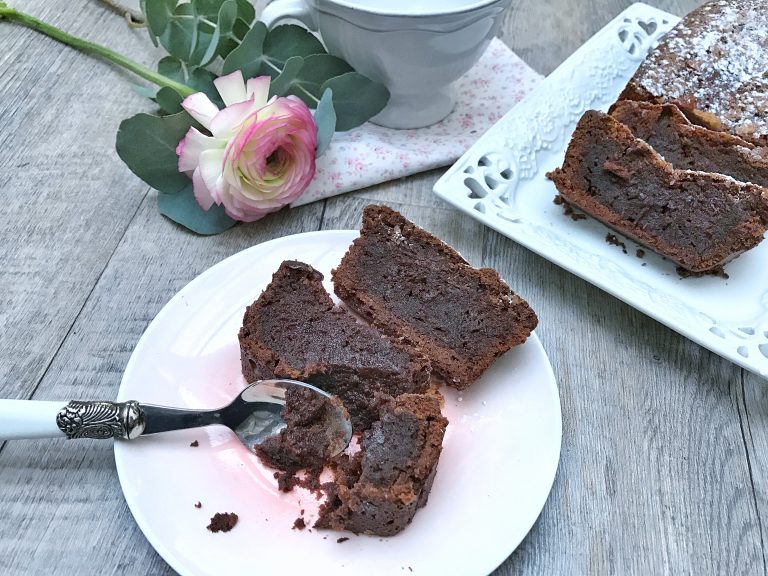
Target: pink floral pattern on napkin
(372, 154)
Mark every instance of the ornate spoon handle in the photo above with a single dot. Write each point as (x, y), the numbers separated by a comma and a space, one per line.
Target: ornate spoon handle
(76, 419)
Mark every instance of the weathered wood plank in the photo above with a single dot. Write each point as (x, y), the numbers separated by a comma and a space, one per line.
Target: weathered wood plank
(67, 198)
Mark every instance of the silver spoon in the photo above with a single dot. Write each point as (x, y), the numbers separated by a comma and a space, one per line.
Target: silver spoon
(253, 415)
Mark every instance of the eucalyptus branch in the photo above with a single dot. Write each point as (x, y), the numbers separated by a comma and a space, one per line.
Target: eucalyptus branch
(134, 19)
(88, 47)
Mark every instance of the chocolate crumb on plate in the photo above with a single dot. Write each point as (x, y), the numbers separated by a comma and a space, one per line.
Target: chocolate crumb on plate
(195, 444)
(342, 539)
(198, 504)
(640, 253)
(223, 522)
(299, 524)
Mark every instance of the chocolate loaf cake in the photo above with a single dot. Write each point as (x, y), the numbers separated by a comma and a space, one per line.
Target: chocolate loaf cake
(294, 331)
(378, 490)
(698, 220)
(690, 147)
(713, 66)
(412, 286)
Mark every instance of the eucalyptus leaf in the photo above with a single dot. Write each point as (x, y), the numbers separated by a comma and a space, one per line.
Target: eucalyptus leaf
(246, 12)
(157, 14)
(183, 209)
(317, 69)
(356, 99)
(325, 120)
(180, 36)
(198, 78)
(146, 91)
(169, 100)
(280, 85)
(147, 144)
(248, 56)
(208, 43)
(291, 40)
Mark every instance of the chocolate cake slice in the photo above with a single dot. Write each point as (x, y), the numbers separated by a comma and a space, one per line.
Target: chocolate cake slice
(698, 220)
(687, 146)
(713, 65)
(378, 490)
(294, 331)
(411, 285)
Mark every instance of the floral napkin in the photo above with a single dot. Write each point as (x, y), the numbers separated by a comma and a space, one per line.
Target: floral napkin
(372, 154)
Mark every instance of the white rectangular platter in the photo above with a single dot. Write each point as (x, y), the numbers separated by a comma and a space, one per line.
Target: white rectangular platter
(501, 182)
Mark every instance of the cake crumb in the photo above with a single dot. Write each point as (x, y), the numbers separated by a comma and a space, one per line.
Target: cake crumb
(299, 524)
(614, 241)
(342, 539)
(198, 504)
(640, 253)
(223, 522)
(569, 211)
(195, 444)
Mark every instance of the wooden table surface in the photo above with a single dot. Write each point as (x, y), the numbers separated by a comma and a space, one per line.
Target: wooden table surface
(664, 466)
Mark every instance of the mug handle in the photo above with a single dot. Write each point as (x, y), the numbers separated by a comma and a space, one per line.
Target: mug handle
(279, 10)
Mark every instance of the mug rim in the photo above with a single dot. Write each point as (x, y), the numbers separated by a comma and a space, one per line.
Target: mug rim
(349, 4)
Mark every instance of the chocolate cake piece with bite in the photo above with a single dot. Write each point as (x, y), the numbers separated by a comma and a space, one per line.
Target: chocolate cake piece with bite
(294, 330)
(306, 441)
(411, 285)
(698, 220)
(690, 147)
(712, 64)
(379, 489)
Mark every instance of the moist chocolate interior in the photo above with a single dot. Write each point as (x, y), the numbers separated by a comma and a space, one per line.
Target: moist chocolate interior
(295, 331)
(378, 490)
(690, 147)
(702, 217)
(410, 285)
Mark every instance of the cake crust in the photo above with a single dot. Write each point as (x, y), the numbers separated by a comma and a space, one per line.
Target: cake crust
(698, 220)
(712, 65)
(413, 286)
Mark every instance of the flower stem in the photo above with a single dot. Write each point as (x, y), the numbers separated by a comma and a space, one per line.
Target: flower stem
(92, 48)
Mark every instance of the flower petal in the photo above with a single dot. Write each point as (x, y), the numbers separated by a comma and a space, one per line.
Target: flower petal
(202, 194)
(211, 162)
(258, 88)
(226, 122)
(231, 87)
(191, 146)
(200, 108)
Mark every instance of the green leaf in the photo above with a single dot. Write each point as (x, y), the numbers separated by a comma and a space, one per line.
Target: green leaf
(317, 69)
(280, 85)
(356, 99)
(209, 40)
(157, 14)
(146, 91)
(198, 78)
(246, 12)
(169, 100)
(183, 209)
(291, 40)
(325, 120)
(147, 144)
(180, 36)
(248, 56)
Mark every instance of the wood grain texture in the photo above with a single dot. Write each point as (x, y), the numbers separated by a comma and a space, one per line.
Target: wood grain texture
(664, 465)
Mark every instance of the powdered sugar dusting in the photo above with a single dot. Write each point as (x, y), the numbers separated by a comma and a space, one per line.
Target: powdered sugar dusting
(716, 60)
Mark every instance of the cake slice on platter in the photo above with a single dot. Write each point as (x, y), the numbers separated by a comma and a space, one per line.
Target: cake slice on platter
(699, 220)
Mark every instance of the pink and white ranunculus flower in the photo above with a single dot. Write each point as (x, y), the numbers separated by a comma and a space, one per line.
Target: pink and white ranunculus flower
(260, 154)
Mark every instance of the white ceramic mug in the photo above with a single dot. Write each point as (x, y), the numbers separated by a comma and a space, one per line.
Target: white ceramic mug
(416, 48)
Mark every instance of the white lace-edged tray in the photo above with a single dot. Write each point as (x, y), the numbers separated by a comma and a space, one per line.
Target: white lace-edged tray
(501, 182)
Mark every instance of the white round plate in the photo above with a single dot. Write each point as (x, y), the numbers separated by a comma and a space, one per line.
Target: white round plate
(499, 457)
